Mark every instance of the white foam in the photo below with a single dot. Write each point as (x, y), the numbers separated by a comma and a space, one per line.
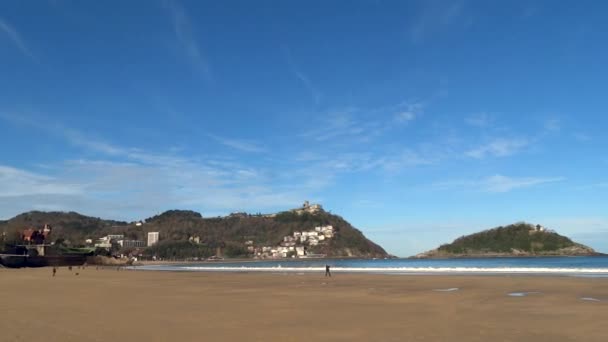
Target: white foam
(402, 270)
(521, 294)
(590, 299)
(451, 289)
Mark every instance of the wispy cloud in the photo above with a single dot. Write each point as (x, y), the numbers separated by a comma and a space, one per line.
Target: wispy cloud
(593, 186)
(529, 11)
(71, 135)
(583, 137)
(238, 144)
(337, 123)
(16, 38)
(434, 17)
(552, 125)
(131, 190)
(363, 124)
(500, 147)
(482, 119)
(182, 27)
(404, 160)
(497, 183)
(315, 94)
(409, 111)
(500, 183)
(17, 182)
(126, 182)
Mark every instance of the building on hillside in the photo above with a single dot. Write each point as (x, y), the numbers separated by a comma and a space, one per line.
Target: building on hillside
(46, 230)
(152, 238)
(103, 244)
(131, 243)
(308, 208)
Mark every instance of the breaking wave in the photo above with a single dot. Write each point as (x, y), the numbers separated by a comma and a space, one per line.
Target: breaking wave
(391, 270)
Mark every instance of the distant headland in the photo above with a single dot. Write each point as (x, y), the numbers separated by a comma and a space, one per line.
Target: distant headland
(303, 232)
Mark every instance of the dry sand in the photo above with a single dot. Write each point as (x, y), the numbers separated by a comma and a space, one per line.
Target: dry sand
(110, 305)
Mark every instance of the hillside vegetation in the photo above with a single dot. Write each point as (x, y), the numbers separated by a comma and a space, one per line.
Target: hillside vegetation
(520, 239)
(176, 227)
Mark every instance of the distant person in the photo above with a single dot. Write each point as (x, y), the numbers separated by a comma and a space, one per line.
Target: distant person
(70, 268)
(327, 272)
(54, 270)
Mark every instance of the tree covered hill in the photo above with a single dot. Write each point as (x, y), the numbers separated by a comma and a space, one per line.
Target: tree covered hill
(66, 225)
(177, 227)
(519, 239)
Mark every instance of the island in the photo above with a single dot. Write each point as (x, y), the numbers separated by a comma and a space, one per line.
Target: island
(516, 240)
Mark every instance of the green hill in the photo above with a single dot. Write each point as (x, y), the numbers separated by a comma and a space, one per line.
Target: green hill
(520, 239)
(231, 234)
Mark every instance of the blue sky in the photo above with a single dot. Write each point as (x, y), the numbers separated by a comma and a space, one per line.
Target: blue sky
(417, 121)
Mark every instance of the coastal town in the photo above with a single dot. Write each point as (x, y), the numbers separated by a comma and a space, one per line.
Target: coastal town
(134, 240)
(295, 245)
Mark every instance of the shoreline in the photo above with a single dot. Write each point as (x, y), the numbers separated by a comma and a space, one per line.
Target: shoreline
(498, 256)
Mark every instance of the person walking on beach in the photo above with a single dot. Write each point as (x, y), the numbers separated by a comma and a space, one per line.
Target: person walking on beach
(327, 272)
(54, 270)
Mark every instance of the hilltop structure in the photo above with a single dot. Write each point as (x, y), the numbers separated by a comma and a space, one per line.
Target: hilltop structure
(308, 208)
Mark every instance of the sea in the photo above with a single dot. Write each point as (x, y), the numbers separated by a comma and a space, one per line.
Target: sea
(596, 266)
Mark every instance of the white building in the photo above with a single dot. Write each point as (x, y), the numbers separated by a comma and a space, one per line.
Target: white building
(152, 238)
(308, 208)
(131, 243)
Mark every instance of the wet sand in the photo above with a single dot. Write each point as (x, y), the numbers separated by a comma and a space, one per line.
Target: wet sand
(110, 305)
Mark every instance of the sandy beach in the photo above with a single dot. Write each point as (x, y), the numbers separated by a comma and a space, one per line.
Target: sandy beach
(110, 305)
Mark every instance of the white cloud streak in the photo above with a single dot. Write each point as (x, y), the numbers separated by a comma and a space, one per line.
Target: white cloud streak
(15, 37)
(500, 147)
(410, 112)
(552, 125)
(500, 183)
(238, 144)
(434, 18)
(315, 94)
(479, 120)
(182, 27)
(17, 182)
(137, 183)
(497, 183)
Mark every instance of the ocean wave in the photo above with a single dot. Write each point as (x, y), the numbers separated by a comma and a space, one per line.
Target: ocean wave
(396, 270)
